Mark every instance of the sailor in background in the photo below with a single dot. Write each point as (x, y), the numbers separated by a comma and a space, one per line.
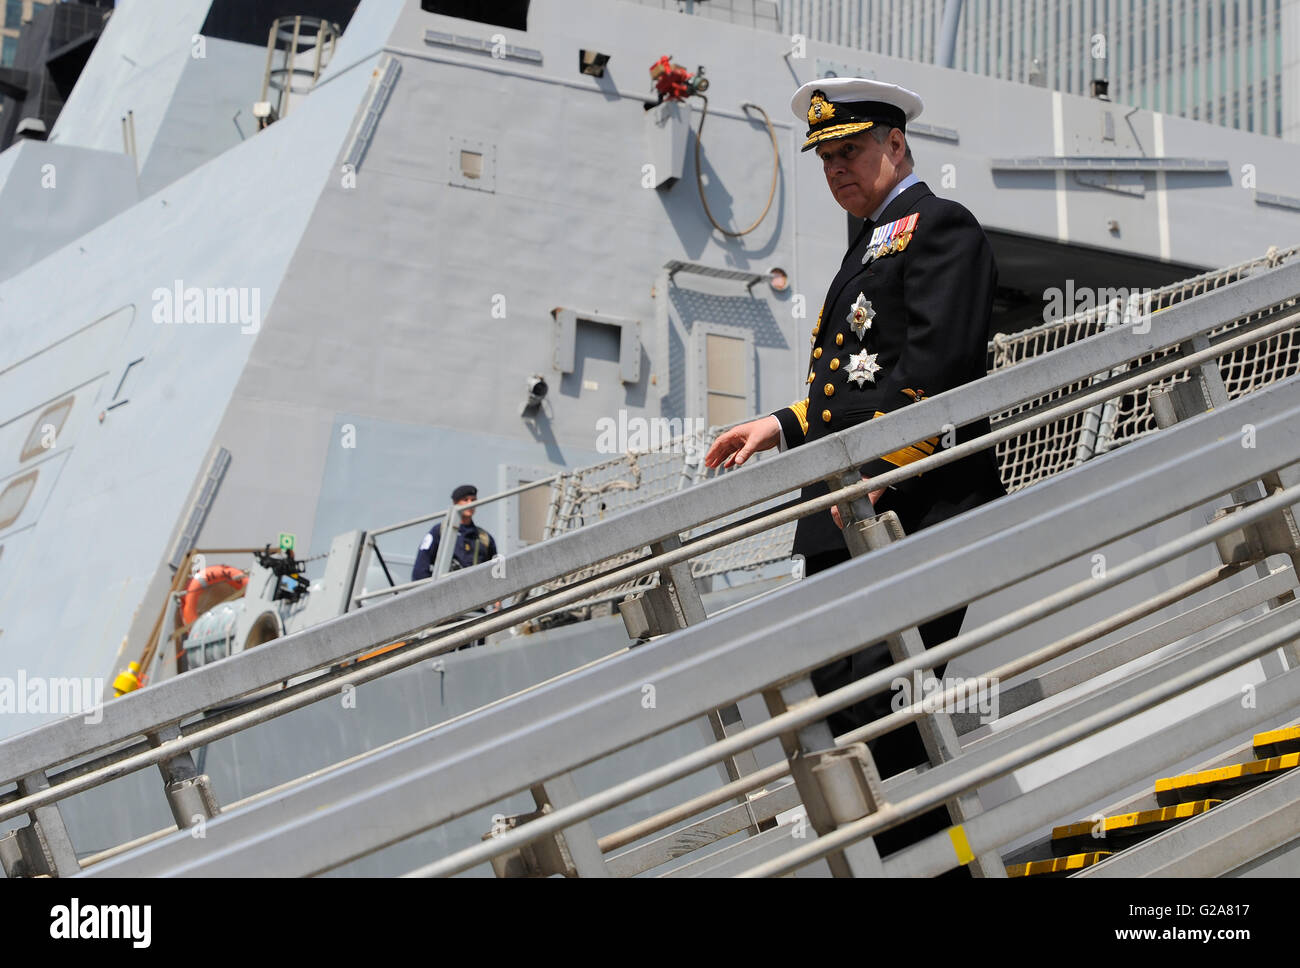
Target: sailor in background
(906, 317)
(474, 545)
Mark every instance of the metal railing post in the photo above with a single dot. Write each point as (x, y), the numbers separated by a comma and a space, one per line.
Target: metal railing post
(446, 542)
(43, 847)
(937, 730)
(837, 785)
(189, 792)
(364, 545)
(1201, 394)
(573, 851)
(674, 604)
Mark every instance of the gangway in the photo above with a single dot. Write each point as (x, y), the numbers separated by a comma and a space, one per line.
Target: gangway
(694, 664)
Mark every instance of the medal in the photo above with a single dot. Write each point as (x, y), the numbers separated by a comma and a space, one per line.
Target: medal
(862, 368)
(860, 315)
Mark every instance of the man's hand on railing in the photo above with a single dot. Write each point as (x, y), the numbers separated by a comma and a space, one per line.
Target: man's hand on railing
(873, 495)
(735, 446)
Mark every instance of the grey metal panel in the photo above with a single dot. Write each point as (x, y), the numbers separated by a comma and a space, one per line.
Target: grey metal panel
(51, 194)
(131, 477)
(445, 759)
(425, 483)
(209, 113)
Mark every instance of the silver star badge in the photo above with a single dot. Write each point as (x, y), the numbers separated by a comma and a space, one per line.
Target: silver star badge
(861, 315)
(862, 368)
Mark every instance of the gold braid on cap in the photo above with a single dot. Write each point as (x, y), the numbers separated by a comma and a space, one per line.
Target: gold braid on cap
(820, 109)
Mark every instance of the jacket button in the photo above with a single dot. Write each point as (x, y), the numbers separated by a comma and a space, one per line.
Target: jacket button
(826, 416)
(810, 376)
(839, 339)
(812, 340)
(835, 364)
(817, 353)
(829, 389)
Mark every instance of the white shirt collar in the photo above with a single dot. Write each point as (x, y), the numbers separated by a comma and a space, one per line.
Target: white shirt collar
(901, 187)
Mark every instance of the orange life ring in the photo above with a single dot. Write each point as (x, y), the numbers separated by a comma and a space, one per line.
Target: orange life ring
(205, 588)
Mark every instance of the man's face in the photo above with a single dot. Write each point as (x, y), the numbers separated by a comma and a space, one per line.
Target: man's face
(466, 514)
(860, 171)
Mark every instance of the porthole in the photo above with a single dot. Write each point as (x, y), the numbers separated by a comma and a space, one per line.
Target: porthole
(14, 498)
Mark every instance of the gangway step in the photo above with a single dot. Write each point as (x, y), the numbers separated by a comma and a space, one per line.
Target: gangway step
(1059, 866)
(1277, 742)
(1223, 782)
(1121, 831)
(1180, 798)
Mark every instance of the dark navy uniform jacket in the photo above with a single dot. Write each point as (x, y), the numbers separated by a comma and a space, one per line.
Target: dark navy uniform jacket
(931, 294)
(473, 547)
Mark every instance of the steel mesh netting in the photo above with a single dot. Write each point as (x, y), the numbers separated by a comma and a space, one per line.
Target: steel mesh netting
(1038, 454)
(591, 494)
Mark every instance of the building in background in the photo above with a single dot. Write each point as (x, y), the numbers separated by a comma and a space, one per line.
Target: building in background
(1234, 63)
(13, 14)
(46, 45)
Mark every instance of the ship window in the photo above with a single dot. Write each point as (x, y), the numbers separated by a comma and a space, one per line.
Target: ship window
(502, 13)
(471, 164)
(14, 498)
(45, 431)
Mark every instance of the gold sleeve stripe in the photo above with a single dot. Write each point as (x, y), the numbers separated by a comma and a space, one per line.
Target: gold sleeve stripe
(801, 413)
(901, 458)
(913, 452)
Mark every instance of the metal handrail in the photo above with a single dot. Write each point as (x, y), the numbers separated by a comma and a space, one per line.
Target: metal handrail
(856, 446)
(894, 814)
(818, 709)
(468, 505)
(1003, 673)
(450, 745)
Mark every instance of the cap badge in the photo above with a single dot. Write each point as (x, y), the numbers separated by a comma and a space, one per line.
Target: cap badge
(820, 109)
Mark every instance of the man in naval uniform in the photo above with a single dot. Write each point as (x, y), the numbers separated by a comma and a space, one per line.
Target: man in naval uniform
(473, 544)
(906, 317)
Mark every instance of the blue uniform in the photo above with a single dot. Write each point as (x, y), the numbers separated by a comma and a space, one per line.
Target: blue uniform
(473, 547)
